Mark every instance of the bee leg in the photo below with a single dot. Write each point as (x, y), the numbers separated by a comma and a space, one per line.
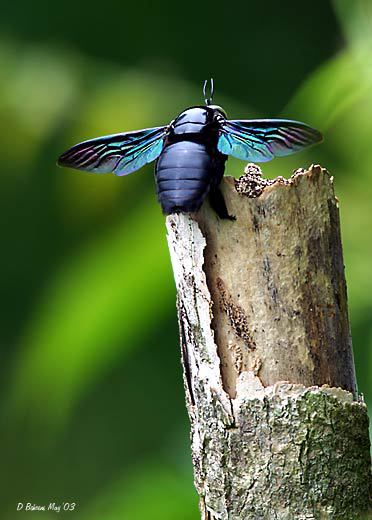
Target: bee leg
(218, 203)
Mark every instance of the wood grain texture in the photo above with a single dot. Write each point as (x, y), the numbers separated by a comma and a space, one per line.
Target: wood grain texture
(276, 426)
(276, 278)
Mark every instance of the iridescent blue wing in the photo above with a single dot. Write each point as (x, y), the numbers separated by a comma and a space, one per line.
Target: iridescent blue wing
(260, 140)
(118, 153)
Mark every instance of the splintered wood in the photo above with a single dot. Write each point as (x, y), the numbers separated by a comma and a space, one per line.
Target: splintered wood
(276, 279)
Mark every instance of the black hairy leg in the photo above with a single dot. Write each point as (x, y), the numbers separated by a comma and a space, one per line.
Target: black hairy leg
(218, 204)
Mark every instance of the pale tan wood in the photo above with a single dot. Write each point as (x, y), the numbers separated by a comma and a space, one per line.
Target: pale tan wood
(276, 278)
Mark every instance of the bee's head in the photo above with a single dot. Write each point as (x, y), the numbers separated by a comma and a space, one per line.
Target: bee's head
(217, 110)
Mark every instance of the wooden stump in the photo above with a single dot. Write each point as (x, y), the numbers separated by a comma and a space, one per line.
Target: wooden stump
(277, 429)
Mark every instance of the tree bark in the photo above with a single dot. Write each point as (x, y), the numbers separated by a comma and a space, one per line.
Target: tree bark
(277, 428)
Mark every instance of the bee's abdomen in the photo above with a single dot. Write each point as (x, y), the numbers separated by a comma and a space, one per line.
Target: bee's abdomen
(183, 176)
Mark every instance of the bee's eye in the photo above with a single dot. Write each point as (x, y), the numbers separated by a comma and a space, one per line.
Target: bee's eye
(218, 110)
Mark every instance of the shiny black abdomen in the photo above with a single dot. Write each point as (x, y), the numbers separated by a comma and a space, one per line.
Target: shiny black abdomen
(183, 176)
(190, 164)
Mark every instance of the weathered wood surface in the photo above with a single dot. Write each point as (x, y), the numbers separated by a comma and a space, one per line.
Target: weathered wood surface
(276, 426)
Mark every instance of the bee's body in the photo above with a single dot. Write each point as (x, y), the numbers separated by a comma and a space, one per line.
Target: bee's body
(190, 165)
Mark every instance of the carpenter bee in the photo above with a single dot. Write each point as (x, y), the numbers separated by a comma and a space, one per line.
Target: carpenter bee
(191, 152)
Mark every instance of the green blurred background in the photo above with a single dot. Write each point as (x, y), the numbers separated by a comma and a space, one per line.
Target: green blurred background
(92, 404)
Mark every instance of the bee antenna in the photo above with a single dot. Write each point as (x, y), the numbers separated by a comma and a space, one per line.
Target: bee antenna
(208, 99)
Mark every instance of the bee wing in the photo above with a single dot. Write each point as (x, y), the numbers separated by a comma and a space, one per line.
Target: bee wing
(118, 153)
(260, 140)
